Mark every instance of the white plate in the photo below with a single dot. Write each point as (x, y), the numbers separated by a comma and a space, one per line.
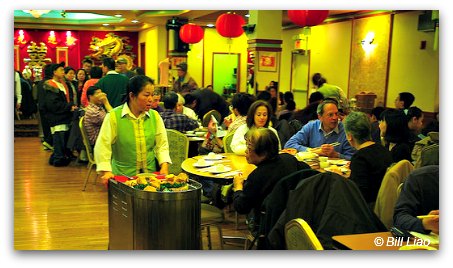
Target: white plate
(226, 169)
(202, 166)
(214, 157)
(338, 162)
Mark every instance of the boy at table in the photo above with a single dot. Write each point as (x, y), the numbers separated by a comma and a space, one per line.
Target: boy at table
(317, 135)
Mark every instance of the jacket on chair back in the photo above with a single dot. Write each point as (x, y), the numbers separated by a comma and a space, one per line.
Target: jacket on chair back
(275, 203)
(331, 205)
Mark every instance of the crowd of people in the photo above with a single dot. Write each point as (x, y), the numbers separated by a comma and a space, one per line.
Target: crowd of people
(126, 116)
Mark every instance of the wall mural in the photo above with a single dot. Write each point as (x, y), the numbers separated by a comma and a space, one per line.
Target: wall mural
(110, 46)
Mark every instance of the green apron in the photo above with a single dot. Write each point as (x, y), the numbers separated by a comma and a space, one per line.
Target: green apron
(126, 148)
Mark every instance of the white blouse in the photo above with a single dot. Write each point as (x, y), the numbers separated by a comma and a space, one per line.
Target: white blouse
(238, 145)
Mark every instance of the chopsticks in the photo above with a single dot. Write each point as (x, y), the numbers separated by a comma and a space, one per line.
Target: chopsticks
(333, 144)
(228, 174)
(426, 216)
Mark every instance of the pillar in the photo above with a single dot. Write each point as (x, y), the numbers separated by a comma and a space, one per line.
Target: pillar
(264, 47)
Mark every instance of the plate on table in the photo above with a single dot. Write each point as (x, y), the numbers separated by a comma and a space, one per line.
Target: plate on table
(200, 133)
(337, 169)
(213, 157)
(216, 171)
(338, 162)
(301, 156)
(198, 165)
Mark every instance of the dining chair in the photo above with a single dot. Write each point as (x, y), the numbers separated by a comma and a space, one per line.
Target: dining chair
(212, 216)
(89, 150)
(179, 150)
(207, 117)
(300, 236)
(429, 155)
(388, 191)
(227, 142)
(227, 148)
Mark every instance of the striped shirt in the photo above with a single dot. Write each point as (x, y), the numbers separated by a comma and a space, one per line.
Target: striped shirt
(94, 116)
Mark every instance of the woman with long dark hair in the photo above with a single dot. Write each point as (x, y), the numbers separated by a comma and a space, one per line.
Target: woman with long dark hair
(259, 115)
(81, 78)
(395, 134)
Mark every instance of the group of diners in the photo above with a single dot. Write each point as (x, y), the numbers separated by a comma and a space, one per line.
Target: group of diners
(130, 132)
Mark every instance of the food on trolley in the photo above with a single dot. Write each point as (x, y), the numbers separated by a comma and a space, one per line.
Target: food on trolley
(151, 183)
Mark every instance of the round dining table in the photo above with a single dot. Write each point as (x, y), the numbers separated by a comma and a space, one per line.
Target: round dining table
(234, 163)
(238, 163)
(195, 138)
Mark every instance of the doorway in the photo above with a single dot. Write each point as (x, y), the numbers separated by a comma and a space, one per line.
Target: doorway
(225, 73)
(300, 80)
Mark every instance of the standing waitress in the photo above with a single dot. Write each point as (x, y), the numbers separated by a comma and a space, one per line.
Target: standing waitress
(132, 138)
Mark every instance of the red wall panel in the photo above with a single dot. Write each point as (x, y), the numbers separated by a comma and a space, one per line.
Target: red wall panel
(77, 52)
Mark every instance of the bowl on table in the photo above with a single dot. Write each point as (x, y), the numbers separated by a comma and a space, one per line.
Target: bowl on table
(202, 163)
(219, 168)
(213, 156)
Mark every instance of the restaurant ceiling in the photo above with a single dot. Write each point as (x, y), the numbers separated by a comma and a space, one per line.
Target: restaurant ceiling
(95, 19)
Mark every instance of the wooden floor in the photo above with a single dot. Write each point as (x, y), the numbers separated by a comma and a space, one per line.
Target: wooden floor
(51, 212)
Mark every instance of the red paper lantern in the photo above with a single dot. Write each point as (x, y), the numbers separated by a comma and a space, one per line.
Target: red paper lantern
(230, 25)
(307, 17)
(191, 33)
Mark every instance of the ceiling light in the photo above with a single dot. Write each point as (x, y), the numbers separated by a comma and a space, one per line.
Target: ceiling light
(210, 25)
(134, 21)
(105, 24)
(118, 15)
(36, 13)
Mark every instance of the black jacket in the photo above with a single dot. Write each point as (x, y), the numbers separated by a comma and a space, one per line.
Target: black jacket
(56, 109)
(331, 205)
(420, 195)
(275, 203)
(261, 182)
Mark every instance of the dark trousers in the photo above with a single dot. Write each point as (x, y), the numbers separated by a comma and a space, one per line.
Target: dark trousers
(45, 128)
(58, 156)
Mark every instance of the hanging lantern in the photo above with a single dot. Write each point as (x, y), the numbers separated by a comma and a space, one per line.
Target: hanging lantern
(304, 18)
(230, 25)
(191, 33)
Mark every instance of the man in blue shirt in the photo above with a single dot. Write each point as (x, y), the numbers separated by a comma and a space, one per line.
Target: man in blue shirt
(317, 135)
